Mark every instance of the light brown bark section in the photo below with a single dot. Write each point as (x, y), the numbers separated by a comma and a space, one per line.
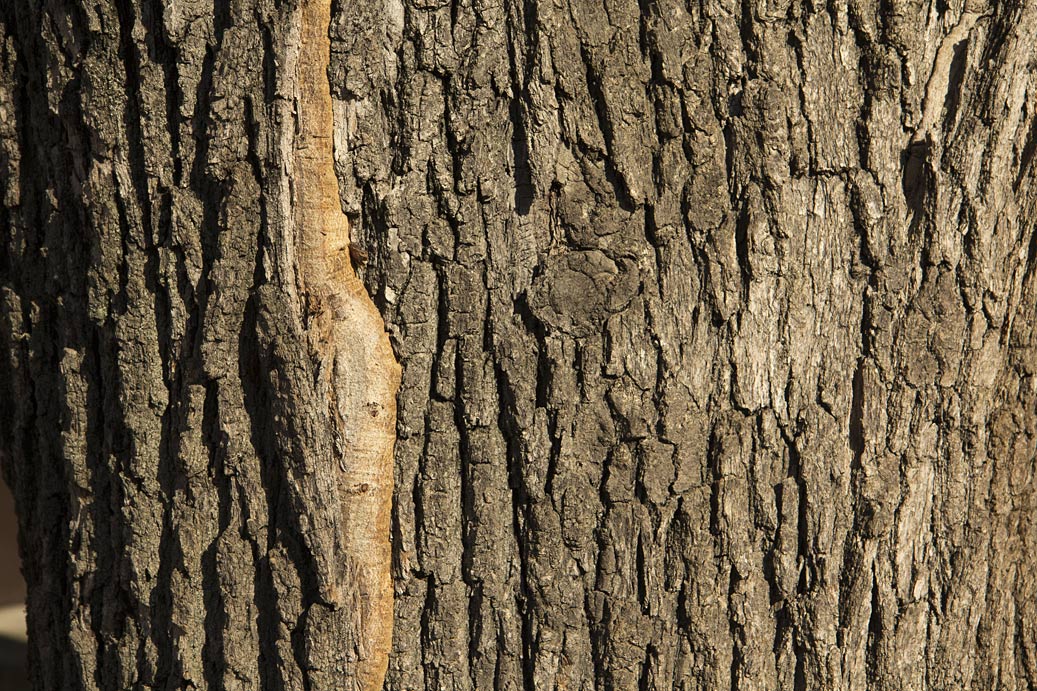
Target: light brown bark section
(356, 359)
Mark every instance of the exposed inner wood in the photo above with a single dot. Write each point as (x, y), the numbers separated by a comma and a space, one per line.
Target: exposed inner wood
(348, 335)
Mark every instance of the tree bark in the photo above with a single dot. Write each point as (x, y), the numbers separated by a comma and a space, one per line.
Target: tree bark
(715, 323)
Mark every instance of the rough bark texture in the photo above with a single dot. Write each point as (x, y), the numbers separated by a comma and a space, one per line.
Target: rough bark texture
(200, 393)
(716, 324)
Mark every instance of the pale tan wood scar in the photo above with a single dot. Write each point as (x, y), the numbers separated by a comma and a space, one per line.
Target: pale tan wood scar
(348, 335)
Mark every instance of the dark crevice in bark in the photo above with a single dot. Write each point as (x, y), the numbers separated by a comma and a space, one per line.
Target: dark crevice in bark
(522, 520)
(856, 422)
(160, 603)
(863, 512)
(520, 76)
(475, 632)
(426, 635)
(794, 40)
(119, 303)
(645, 680)
(469, 520)
(100, 488)
(298, 639)
(211, 191)
(1031, 250)
(598, 645)
(799, 678)
(131, 62)
(524, 190)
(269, 64)
(742, 249)
(748, 38)
(213, 651)
(713, 456)
(734, 111)
(114, 606)
(914, 162)
(257, 407)
(735, 628)
(417, 497)
(165, 54)
(267, 622)
(543, 366)
(875, 632)
(596, 90)
(642, 589)
(163, 306)
(955, 81)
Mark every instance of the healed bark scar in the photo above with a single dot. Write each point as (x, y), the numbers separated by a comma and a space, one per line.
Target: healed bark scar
(348, 335)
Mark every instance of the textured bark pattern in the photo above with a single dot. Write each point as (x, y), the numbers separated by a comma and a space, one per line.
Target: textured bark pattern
(717, 330)
(188, 383)
(716, 325)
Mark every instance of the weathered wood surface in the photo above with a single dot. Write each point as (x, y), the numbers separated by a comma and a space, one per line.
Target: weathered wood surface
(716, 324)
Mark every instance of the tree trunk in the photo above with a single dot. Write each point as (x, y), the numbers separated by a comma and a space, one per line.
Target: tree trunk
(715, 320)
